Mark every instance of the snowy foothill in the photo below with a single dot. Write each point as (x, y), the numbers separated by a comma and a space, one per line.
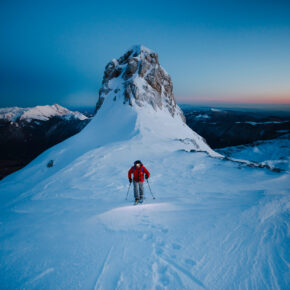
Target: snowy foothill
(215, 224)
(42, 113)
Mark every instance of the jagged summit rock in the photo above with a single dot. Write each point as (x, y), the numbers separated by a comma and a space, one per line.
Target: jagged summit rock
(138, 78)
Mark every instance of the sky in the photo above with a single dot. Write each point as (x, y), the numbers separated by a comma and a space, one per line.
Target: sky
(217, 52)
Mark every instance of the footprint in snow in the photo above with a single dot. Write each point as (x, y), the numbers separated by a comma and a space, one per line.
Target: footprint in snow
(176, 246)
(190, 262)
(159, 251)
(147, 237)
(162, 275)
(161, 244)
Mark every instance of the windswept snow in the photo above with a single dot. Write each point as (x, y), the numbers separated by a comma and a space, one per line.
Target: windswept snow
(207, 229)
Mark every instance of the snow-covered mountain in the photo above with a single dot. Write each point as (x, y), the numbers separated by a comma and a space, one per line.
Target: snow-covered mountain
(136, 87)
(213, 225)
(41, 113)
(26, 132)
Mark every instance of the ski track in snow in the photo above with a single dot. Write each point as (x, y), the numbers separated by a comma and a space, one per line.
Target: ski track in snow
(41, 275)
(104, 268)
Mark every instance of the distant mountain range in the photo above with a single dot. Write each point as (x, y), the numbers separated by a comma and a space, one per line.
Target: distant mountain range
(26, 132)
(223, 127)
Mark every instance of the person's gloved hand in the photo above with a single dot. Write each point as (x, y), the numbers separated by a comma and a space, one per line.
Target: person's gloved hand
(130, 180)
(146, 176)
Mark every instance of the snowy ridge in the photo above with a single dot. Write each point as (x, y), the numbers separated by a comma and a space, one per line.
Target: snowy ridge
(42, 113)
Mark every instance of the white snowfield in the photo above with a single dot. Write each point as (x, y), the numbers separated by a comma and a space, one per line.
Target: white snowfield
(42, 113)
(213, 224)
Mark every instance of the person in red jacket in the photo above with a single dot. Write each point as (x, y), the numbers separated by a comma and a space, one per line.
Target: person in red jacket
(138, 171)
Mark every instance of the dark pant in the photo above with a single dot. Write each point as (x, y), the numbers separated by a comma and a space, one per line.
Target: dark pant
(138, 189)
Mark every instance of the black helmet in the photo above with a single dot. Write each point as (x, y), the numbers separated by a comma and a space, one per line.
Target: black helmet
(137, 162)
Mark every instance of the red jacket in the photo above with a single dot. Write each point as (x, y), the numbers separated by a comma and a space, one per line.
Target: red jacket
(138, 174)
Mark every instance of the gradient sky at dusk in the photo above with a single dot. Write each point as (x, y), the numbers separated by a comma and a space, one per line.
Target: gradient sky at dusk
(215, 51)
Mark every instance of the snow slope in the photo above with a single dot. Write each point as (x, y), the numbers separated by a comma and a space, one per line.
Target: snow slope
(208, 228)
(214, 224)
(274, 152)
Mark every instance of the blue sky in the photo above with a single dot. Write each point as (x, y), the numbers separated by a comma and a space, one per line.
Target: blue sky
(215, 51)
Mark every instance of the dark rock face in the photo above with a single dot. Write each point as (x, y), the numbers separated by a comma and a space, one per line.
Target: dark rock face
(130, 69)
(154, 79)
(222, 128)
(143, 68)
(22, 141)
(141, 78)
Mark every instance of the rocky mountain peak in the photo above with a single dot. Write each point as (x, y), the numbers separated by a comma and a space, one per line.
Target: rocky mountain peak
(137, 77)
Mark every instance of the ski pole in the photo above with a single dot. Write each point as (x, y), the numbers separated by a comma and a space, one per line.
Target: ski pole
(128, 191)
(150, 189)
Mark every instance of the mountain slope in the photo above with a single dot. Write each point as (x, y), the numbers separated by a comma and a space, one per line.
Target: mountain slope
(207, 227)
(26, 132)
(70, 227)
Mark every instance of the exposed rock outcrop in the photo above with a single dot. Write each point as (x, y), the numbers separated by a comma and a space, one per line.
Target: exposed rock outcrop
(137, 77)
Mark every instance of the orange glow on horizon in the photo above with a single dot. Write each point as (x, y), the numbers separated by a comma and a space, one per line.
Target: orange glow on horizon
(242, 100)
